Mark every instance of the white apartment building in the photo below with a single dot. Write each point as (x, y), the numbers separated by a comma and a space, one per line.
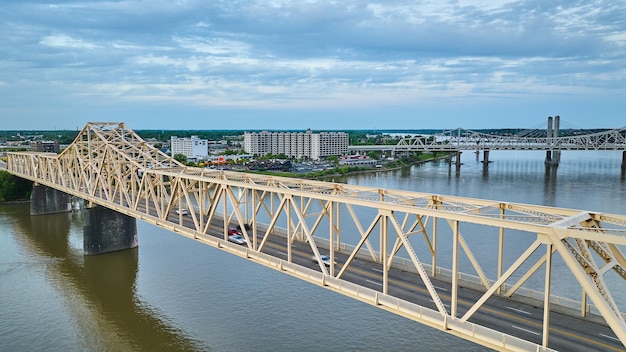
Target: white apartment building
(193, 148)
(297, 144)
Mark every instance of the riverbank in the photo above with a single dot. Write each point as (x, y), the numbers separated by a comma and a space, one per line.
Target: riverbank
(394, 168)
(17, 201)
(342, 171)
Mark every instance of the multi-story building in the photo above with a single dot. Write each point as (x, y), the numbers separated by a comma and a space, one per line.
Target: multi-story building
(193, 148)
(310, 145)
(45, 146)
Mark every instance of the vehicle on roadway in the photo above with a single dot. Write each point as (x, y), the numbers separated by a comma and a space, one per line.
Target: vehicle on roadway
(238, 239)
(182, 211)
(325, 259)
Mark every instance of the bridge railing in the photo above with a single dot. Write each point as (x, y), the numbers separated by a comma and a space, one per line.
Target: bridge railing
(469, 280)
(433, 318)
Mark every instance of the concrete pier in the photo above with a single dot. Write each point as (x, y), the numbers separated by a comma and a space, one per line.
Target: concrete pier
(46, 200)
(553, 158)
(106, 230)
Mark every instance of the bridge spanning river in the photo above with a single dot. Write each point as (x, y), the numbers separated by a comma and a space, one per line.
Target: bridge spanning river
(462, 139)
(384, 246)
(458, 140)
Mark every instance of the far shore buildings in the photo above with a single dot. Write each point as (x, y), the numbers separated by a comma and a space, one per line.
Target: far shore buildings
(193, 148)
(314, 146)
(45, 146)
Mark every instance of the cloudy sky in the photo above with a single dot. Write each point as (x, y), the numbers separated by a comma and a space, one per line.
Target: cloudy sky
(297, 64)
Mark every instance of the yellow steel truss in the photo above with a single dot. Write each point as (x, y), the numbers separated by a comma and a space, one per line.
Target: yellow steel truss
(110, 165)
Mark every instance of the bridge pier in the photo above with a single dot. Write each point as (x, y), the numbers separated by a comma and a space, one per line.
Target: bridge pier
(105, 230)
(46, 200)
(553, 157)
(486, 156)
(624, 160)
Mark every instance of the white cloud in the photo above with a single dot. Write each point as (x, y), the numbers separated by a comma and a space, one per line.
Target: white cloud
(65, 41)
(213, 46)
(314, 54)
(617, 38)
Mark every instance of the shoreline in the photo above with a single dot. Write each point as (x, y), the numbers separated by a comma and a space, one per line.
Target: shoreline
(383, 169)
(17, 201)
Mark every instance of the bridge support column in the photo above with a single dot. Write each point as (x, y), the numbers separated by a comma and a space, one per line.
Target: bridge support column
(556, 157)
(46, 200)
(553, 158)
(486, 156)
(106, 230)
(624, 160)
(458, 159)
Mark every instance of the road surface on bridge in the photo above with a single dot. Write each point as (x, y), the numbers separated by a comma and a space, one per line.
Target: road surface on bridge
(517, 318)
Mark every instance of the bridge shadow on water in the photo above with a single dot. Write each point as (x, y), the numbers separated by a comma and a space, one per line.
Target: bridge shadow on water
(100, 290)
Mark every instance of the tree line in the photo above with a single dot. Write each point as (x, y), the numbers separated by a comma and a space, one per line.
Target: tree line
(356, 137)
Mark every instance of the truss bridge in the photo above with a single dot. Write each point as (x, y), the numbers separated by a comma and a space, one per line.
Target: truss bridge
(462, 139)
(420, 256)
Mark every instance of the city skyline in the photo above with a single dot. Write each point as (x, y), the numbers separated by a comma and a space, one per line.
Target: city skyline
(292, 65)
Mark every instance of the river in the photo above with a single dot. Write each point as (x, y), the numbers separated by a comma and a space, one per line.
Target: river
(175, 294)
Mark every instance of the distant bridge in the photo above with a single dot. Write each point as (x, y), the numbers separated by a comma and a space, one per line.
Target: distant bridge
(461, 139)
(412, 254)
(457, 140)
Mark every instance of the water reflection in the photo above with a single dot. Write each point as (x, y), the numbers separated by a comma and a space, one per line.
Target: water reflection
(549, 185)
(100, 289)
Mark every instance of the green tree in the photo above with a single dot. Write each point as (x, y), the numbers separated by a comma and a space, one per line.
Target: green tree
(234, 151)
(374, 154)
(333, 159)
(13, 188)
(180, 158)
